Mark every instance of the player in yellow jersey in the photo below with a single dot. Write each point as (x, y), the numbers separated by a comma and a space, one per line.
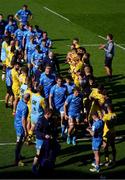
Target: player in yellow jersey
(109, 119)
(98, 99)
(71, 55)
(75, 43)
(10, 54)
(15, 85)
(29, 91)
(23, 75)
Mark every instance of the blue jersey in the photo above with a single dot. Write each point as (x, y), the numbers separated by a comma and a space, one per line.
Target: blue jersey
(38, 33)
(21, 113)
(30, 48)
(23, 15)
(58, 95)
(47, 81)
(70, 87)
(14, 23)
(27, 35)
(23, 88)
(44, 50)
(48, 42)
(74, 104)
(10, 28)
(8, 77)
(19, 36)
(37, 58)
(97, 128)
(37, 107)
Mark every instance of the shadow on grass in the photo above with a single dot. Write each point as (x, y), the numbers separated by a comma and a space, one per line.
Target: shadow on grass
(60, 39)
(25, 160)
(74, 150)
(63, 174)
(55, 174)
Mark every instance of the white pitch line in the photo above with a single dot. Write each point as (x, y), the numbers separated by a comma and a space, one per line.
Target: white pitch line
(5, 144)
(2, 100)
(87, 45)
(118, 45)
(56, 14)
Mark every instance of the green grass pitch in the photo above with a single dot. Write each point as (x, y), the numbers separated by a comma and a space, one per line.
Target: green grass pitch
(86, 19)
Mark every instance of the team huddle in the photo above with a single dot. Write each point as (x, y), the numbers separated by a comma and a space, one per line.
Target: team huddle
(44, 104)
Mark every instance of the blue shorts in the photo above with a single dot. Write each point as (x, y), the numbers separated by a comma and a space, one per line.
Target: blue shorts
(19, 133)
(60, 109)
(39, 143)
(74, 116)
(96, 144)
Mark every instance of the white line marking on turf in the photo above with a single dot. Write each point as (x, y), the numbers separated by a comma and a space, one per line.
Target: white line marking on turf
(5, 144)
(118, 45)
(91, 45)
(56, 14)
(81, 139)
(87, 45)
(2, 100)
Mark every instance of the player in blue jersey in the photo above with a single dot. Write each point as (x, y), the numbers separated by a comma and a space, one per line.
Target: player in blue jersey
(9, 95)
(28, 33)
(37, 109)
(70, 85)
(9, 28)
(36, 60)
(57, 97)
(72, 108)
(19, 34)
(38, 32)
(20, 123)
(47, 80)
(29, 50)
(97, 136)
(52, 60)
(47, 40)
(14, 22)
(23, 15)
(44, 48)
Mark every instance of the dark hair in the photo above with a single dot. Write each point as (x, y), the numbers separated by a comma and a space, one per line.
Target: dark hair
(76, 39)
(36, 26)
(10, 15)
(59, 77)
(12, 49)
(48, 110)
(111, 36)
(38, 47)
(25, 6)
(101, 87)
(95, 113)
(48, 65)
(24, 69)
(40, 89)
(76, 89)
